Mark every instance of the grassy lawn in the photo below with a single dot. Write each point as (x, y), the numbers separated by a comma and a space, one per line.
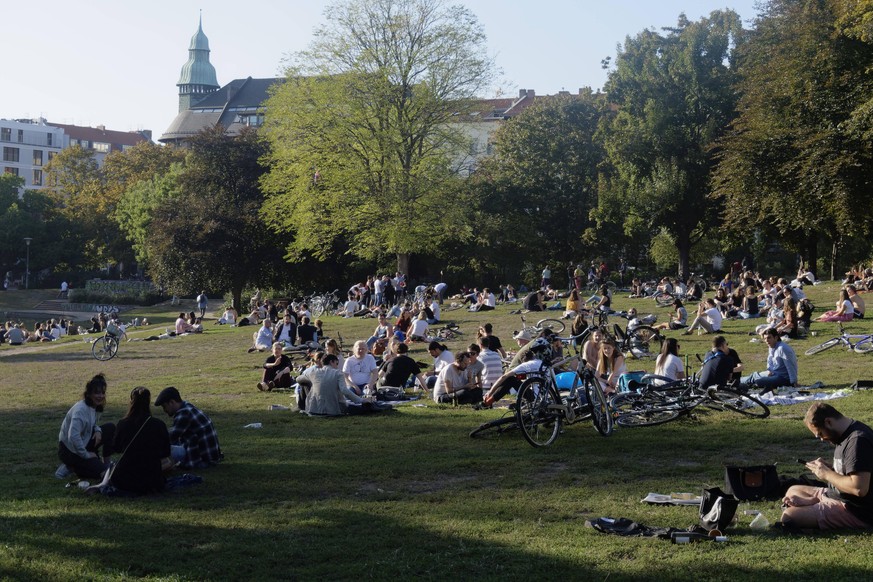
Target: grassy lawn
(400, 496)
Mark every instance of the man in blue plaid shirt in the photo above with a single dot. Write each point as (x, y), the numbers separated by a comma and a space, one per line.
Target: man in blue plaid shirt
(193, 437)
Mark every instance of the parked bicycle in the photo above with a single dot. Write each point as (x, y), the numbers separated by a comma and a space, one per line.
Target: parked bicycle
(642, 341)
(105, 347)
(655, 404)
(320, 303)
(552, 324)
(863, 345)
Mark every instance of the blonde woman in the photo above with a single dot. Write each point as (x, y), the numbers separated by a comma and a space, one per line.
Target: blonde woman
(610, 365)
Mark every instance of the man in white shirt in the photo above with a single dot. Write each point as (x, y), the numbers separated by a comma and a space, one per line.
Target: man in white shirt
(708, 317)
(453, 384)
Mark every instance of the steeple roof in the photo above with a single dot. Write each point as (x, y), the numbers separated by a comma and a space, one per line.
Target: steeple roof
(198, 70)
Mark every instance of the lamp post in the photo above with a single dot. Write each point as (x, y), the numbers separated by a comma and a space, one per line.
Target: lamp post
(27, 264)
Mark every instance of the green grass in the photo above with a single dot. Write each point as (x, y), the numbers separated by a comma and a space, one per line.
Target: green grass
(400, 496)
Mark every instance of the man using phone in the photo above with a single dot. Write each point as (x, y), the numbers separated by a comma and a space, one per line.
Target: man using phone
(847, 501)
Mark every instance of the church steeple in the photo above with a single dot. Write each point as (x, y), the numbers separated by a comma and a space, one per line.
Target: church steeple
(198, 75)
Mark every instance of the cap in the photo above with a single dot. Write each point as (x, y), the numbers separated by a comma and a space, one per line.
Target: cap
(166, 395)
(522, 335)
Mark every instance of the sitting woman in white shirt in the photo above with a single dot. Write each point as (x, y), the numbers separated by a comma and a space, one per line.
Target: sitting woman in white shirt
(668, 364)
(610, 365)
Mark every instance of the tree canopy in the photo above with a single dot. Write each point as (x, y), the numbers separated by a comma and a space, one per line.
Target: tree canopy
(361, 142)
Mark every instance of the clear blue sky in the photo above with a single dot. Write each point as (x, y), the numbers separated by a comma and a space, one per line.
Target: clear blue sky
(116, 63)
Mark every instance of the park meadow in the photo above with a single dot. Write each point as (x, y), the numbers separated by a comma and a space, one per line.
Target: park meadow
(403, 495)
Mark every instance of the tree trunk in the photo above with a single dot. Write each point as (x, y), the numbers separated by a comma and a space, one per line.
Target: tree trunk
(403, 263)
(812, 253)
(683, 245)
(236, 292)
(835, 251)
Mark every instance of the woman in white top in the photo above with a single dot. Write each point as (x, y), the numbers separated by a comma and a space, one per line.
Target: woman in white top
(845, 311)
(668, 364)
(418, 329)
(611, 365)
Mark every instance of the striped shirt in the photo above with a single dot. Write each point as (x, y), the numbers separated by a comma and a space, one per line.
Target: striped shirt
(493, 368)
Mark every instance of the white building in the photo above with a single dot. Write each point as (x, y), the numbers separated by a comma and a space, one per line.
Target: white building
(28, 145)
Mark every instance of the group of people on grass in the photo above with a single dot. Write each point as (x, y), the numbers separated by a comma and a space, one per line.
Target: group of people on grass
(146, 451)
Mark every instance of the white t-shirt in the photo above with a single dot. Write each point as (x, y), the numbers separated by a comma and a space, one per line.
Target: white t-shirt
(351, 307)
(441, 361)
(418, 328)
(713, 316)
(435, 307)
(360, 370)
(454, 375)
(671, 368)
(491, 301)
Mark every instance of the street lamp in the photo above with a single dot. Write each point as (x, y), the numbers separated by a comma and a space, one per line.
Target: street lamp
(27, 240)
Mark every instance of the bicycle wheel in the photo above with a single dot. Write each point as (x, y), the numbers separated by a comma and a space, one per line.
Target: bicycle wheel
(701, 282)
(317, 307)
(822, 346)
(738, 402)
(104, 348)
(664, 300)
(495, 427)
(865, 346)
(645, 342)
(556, 325)
(601, 413)
(535, 412)
(637, 410)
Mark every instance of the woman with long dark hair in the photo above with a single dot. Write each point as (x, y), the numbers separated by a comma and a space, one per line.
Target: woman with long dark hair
(144, 444)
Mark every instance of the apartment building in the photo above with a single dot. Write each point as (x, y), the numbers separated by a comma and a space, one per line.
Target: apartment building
(28, 145)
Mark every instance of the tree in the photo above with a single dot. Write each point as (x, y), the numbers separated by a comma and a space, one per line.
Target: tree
(674, 97)
(209, 235)
(360, 134)
(537, 191)
(797, 161)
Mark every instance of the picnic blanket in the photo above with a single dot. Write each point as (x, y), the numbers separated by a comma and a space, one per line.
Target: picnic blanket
(798, 396)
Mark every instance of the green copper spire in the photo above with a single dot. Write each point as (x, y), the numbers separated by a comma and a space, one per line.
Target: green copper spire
(198, 75)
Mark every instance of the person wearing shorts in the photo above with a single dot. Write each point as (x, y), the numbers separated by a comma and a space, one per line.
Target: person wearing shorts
(847, 501)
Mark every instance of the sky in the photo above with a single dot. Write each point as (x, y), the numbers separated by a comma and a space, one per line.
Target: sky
(116, 63)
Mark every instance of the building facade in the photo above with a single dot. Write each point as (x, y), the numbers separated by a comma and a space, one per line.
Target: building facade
(28, 146)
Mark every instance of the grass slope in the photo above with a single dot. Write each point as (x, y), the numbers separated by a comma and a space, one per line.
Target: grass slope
(400, 496)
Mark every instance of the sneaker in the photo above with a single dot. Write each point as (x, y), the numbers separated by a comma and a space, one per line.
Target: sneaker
(63, 472)
(251, 350)
(270, 386)
(262, 387)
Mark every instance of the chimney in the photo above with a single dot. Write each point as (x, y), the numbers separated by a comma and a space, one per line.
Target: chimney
(522, 93)
(531, 93)
(101, 127)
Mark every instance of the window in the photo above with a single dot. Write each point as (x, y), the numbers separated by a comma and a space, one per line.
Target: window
(48, 139)
(8, 170)
(101, 147)
(51, 156)
(5, 134)
(10, 154)
(20, 136)
(37, 157)
(37, 177)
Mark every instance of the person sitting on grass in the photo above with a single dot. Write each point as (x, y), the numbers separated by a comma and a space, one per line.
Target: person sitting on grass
(781, 365)
(846, 502)
(144, 444)
(263, 338)
(442, 357)
(418, 330)
(708, 317)
(397, 371)
(286, 332)
(325, 389)
(668, 364)
(454, 386)
(360, 369)
(81, 439)
(182, 325)
(610, 365)
(845, 311)
(527, 360)
(721, 366)
(857, 301)
(194, 442)
(277, 370)
(679, 319)
(307, 334)
(229, 316)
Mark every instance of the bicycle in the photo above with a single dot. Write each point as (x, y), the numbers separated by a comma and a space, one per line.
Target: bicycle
(540, 410)
(320, 303)
(549, 323)
(658, 404)
(864, 345)
(449, 331)
(105, 347)
(643, 341)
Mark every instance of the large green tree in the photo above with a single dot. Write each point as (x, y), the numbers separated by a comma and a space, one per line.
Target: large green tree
(362, 144)
(537, 191)
(798, 161)
(674, 96)
(202, 228)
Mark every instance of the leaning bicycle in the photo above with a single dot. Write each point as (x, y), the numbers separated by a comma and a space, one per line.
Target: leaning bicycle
(105, 347)
(541, 410)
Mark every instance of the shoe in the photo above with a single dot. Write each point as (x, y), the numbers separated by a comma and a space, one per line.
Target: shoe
(262, 387)
(63, 472)
(251, 350)
(270, 386)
